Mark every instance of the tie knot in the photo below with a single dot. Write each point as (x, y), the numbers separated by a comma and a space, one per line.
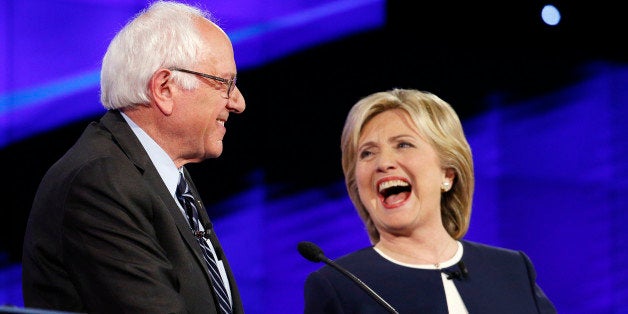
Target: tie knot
(182, 187)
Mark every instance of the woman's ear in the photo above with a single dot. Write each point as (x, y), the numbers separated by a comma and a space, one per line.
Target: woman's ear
(448, 180)
(450, 174)
(161, 88)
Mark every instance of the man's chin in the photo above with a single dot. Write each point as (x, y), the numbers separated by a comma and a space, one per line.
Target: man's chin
(214, 151)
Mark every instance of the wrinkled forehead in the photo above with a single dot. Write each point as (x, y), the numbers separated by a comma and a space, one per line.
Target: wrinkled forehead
(217, 47)
(392, 116)
(388, 123)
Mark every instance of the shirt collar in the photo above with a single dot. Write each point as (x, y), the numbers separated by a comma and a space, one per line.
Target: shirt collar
(165, 165)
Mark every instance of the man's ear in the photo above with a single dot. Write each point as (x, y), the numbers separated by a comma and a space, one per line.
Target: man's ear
(160, 87)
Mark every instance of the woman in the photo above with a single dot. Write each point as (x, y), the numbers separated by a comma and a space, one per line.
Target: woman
(409, 172)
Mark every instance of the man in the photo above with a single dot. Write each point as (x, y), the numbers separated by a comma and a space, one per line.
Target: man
(117, 225)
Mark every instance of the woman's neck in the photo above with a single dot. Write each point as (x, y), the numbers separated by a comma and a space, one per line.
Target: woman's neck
(419, 250)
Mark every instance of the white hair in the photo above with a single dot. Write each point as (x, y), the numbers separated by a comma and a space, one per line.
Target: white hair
(162, 36)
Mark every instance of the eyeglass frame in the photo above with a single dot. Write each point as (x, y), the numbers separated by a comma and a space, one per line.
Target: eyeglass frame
(231, 84)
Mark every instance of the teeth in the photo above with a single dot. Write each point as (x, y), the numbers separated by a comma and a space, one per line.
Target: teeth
(221, 122)
(388, 184)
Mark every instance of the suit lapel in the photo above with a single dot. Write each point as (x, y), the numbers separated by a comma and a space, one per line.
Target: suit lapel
(128, 142)
(207, 224)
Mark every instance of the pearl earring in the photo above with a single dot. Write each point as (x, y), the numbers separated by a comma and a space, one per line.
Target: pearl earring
(445, 186)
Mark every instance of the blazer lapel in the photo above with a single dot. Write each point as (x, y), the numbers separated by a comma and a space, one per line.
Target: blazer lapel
(128, 142)
(207, 224)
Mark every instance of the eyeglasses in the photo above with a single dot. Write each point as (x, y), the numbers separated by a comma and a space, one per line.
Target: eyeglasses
(231, 84)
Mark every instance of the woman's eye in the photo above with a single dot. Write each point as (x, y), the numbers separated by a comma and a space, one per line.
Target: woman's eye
(365, 153)
(404, 145)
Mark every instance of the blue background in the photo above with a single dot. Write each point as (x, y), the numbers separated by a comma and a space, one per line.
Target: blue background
(544, 109)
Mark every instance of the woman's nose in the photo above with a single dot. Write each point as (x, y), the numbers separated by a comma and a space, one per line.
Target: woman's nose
(385, 161)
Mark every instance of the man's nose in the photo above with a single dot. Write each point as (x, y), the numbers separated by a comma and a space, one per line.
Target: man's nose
(236, 104)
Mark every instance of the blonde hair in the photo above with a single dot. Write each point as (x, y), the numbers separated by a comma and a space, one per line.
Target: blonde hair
(439, 124)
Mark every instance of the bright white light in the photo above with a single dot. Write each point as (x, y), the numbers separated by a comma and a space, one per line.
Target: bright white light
(550, 15)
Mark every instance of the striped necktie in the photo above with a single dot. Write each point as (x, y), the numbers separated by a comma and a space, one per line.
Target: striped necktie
(189, 204)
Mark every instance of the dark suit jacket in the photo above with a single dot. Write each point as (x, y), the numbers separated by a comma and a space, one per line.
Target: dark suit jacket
(105, 236)
(499, 281)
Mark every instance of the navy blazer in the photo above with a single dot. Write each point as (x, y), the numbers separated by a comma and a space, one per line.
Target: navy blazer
(499, 281)
(106, 236)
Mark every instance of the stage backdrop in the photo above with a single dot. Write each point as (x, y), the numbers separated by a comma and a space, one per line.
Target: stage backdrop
(551, 169)
(551, 181)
